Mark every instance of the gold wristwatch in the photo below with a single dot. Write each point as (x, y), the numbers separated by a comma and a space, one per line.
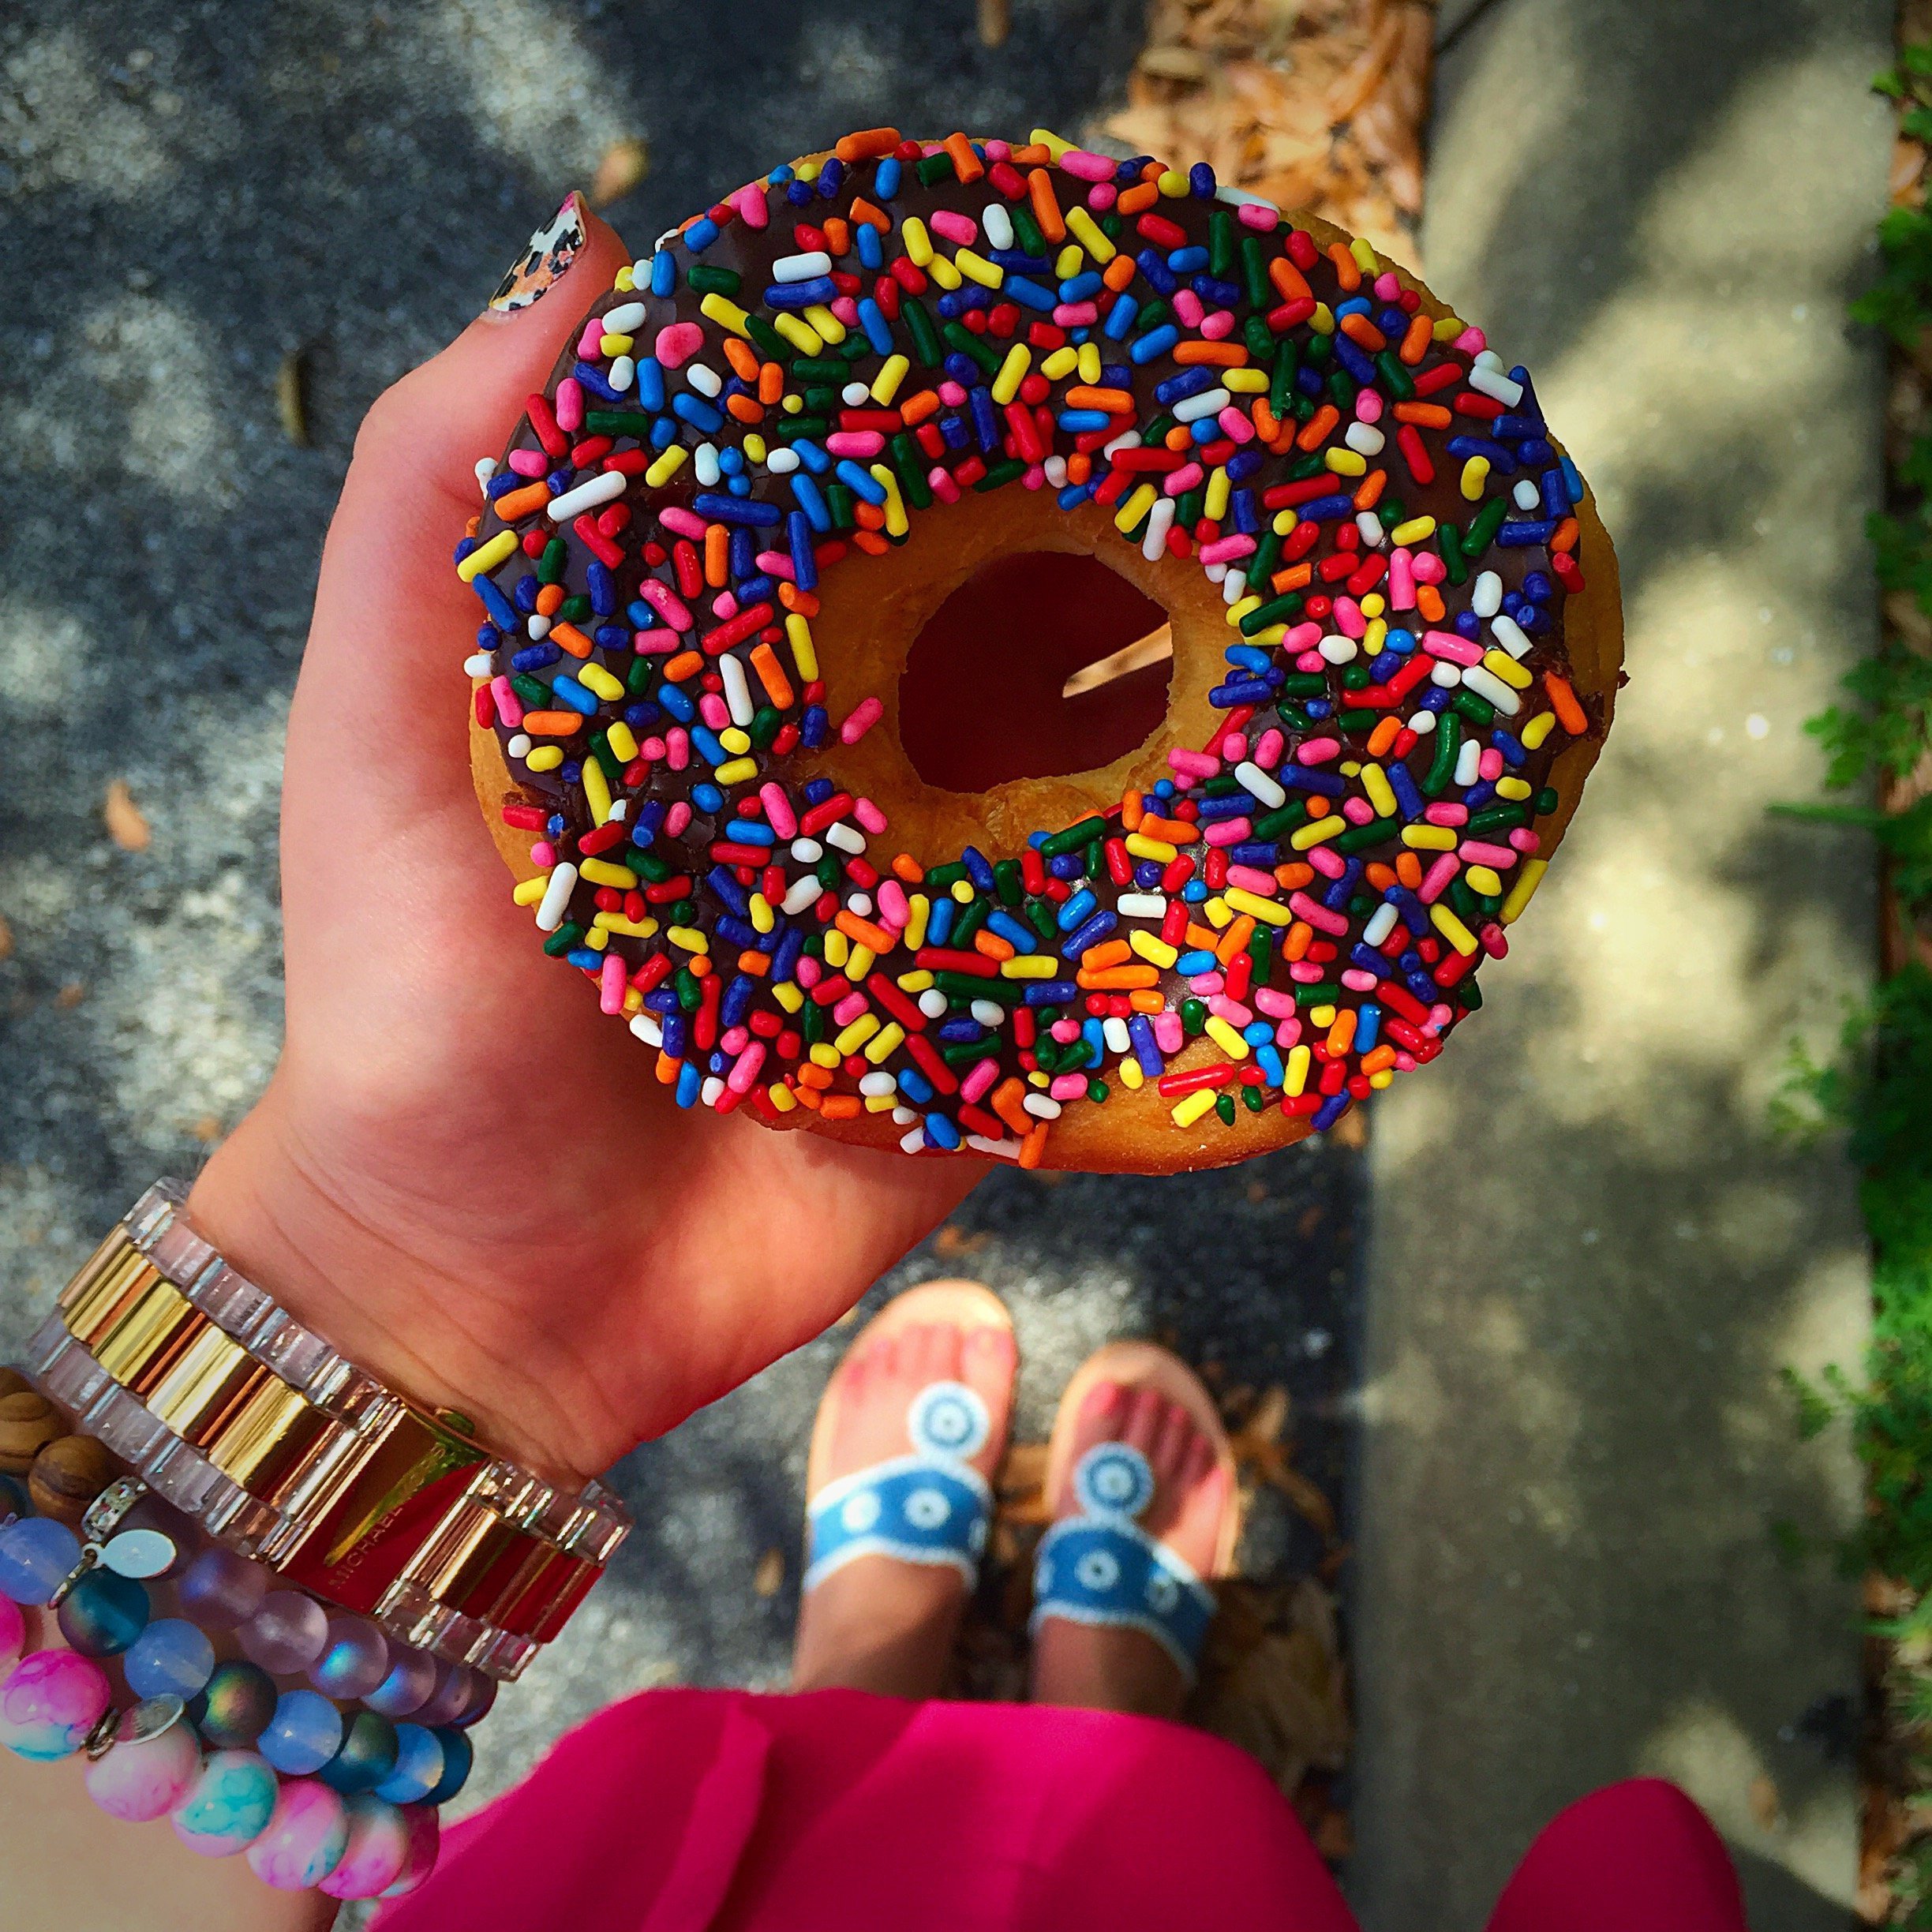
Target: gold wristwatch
(252, 1426)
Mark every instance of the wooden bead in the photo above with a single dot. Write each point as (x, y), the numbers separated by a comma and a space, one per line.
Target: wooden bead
(12, 1382)
(28, 1422)
(67, 1475)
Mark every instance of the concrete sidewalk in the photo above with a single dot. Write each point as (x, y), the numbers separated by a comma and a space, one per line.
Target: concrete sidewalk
(1590, 1256)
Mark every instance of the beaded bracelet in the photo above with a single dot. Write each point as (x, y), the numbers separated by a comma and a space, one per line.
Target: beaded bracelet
(370, 1569)
(316, 1795)
(283, 1450)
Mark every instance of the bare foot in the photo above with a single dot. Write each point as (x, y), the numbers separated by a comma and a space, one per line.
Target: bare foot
(1110, 1669)
(876, 1623)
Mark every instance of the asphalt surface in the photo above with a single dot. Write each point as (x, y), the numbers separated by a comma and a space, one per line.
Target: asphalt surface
(189, 194)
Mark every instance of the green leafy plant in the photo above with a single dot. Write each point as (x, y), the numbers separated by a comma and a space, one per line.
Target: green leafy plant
(1884, 732)
(1876, 1089)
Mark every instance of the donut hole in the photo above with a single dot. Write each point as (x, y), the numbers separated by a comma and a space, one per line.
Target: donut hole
(1042, 664)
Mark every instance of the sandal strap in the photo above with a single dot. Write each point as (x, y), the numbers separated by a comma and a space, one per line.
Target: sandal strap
(929, 1506)
(921, 1508)
(1101, 1568)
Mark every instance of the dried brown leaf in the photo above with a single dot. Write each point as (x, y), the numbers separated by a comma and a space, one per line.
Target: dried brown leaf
(1173, 63)
(1019, 1487)
(1334, 1837)
(624, 165)
(208, 1130)
(1023, 1467)
(125, 826)
(1908, 164)
(1319, 105)
(1763, 1798)
(292, 396)
(952, 1240)
(1350, 94)
(70, 995)
(6, 940)
(768, 1579)
(1272, 1681)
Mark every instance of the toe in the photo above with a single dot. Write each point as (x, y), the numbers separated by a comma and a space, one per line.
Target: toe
(1200, 1502)
(944, 1347)
(1177, 1435)
(988, 1357)
(1169, 1457)
(1141, 1422)
(1098, 1411)
(927, 1354)
(988, 1351)
(988, 1360)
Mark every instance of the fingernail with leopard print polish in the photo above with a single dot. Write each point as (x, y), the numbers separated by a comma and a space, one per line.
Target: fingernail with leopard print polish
(543, 263)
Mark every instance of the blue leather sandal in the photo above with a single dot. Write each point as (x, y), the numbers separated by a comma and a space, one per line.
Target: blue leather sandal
(1099, 1565)
(929, 1505)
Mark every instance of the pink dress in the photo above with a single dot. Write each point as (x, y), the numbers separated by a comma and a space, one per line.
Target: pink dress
(839, 1812)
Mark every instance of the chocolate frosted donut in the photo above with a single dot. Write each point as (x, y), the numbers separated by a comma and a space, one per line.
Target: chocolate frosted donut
(779, 443)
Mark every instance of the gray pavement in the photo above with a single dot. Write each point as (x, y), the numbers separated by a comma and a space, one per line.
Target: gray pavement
(1574, 1453)
(189, 193)
(1577, 1457)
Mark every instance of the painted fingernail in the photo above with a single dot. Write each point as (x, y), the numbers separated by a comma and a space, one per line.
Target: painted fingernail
(542, 265)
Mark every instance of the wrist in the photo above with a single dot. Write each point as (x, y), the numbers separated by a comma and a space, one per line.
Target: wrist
(373, 1286)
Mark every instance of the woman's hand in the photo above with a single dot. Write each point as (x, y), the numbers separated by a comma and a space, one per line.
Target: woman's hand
(463, 1174)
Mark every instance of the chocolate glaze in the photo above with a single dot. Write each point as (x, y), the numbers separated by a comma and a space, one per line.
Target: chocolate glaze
(750, 253)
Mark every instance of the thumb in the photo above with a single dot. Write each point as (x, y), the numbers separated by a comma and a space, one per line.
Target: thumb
(390, 613)
(433, 424)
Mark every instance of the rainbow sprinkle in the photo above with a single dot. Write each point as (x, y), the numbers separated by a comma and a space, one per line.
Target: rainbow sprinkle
(850, 342)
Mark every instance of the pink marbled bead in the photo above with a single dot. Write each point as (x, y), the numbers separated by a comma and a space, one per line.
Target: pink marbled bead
(377, 1849)
(145, 1778)
(304, 1840)
(424, 1841)
(49, 1702)
(228, 1806)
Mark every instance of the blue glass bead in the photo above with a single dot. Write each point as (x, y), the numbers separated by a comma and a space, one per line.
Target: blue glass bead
(368, 1756)
(170, 1657)
(480, 1702)
(238, 1700)
(418, 1766)
(453, 1691)
(103, 1613)
(286, 1633)
(354, 1660)
(220, 1589)
(305, 1733)
(36, 1556)
(458, 1754)
(412, 1677)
